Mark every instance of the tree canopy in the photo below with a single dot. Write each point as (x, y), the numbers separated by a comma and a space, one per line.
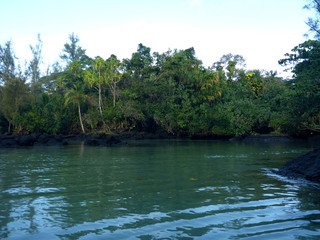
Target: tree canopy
(170, 92)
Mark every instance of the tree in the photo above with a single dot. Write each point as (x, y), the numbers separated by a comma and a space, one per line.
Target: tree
(73, 74)
(76, 96)
(48, 82)
(72, 52)
(7, 63)
(70, 84)
(176, 99)
(305, 98)
(14, 90)
(274, 104)
(305, 64)
(140, 63)
(33, 68)
(314, 23)
(42, 115)
(227, 64)
(254, 80)
(113, 75)
(95, 76)
(13, 98)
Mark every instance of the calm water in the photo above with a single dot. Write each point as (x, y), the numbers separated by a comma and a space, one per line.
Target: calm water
(156, 190)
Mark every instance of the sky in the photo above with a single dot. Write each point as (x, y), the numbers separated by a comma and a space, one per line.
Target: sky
(262, 31)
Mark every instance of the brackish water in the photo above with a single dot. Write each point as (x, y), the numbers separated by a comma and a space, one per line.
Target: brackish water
(175, 189)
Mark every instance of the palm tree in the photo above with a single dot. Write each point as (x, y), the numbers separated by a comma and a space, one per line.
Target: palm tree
(113, 75)
(94, 77)
(76, 96)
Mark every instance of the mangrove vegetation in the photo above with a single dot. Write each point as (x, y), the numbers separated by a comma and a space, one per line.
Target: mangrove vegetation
(168, 92)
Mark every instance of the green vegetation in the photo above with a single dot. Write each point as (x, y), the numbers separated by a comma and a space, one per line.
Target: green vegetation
(171, 92)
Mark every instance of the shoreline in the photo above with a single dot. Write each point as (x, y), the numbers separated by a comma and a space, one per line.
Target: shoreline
(119, 139)
(305, 167)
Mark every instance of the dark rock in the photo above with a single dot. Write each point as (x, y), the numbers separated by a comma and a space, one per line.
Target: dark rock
(102, 139)
(74, 138)
(126, 135)
(112, 140)
(92, 142)
(209, 137)
(43, 138)
(96, 136)
(8, 141)
(4, 137)
(50, 140)
(140, 136)
(306, 166)
(26, 140)
(99, 139)
(56, 141)
(163, 135)
(134, 135)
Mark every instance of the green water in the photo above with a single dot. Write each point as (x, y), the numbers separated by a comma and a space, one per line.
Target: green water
(156, 190)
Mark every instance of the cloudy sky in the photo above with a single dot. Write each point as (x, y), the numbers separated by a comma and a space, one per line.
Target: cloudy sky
(262, 31)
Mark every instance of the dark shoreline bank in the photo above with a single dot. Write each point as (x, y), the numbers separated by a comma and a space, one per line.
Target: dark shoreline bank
(14, 141)
(119, 139)
(305, 167)
(92, 139)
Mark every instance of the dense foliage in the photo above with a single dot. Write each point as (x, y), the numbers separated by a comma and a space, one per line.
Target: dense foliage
(171, 92)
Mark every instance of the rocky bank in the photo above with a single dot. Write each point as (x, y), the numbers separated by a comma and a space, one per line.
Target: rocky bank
(12, 141)
(306, 166)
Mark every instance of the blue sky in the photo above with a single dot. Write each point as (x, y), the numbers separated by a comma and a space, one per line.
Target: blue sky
(260, 30)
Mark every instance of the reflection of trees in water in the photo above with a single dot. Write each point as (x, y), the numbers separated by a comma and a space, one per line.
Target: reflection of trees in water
(29, 190)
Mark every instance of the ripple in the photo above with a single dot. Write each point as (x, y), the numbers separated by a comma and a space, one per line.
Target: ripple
(246, 220)
(294, 183)
(71, 194)
(242, 224)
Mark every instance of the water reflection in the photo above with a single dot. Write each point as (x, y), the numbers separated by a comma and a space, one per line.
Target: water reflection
(153, 190)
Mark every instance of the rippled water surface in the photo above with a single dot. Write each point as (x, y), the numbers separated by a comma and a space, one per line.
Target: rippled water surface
(156, 190)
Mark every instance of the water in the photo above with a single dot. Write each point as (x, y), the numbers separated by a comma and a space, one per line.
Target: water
(156, 190)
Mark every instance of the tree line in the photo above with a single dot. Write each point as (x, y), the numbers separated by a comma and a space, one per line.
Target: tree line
(171, 92)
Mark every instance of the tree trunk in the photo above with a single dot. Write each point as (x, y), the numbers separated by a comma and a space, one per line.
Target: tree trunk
(114, 94)
(80, 118)
(100, 100)
(9, 128)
